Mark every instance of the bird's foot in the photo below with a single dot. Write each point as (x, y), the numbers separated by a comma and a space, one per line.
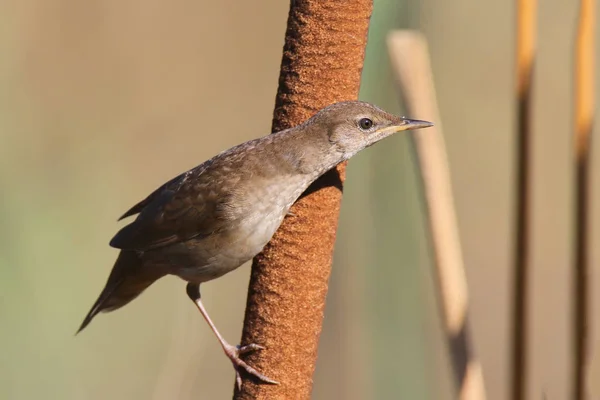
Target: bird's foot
(234, 352)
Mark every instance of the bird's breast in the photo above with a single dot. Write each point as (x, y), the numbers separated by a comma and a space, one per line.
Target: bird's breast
(260, 213)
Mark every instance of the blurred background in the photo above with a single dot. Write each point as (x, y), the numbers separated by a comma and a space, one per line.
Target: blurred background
(100, 102)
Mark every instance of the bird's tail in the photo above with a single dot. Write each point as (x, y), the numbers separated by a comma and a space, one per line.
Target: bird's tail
(127, 280)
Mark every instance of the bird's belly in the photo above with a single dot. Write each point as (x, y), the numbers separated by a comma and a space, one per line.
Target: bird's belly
(203, 259)
(209, 258)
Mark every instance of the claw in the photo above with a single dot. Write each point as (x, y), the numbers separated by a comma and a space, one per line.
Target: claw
(233, 352)
(248, 348)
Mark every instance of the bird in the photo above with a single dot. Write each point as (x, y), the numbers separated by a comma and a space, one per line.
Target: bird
(208, 221)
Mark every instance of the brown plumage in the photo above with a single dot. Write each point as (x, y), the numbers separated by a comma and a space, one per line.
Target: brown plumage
(211, 219)
(127, 280)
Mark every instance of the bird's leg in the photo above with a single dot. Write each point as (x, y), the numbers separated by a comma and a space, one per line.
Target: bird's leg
(232, 352)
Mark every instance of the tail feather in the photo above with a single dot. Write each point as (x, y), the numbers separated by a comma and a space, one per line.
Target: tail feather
(127, 280)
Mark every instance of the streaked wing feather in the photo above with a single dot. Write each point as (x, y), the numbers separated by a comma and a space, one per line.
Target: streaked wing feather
(136, 209)
(177, 212)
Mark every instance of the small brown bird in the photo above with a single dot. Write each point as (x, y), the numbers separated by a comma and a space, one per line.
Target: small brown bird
(213, 218)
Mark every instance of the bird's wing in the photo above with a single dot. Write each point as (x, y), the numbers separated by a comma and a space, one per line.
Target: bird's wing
(177, 211)
(136, 209)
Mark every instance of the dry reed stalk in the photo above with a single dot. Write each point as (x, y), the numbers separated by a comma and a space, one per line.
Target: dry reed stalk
(583, 121)
(525, 60)
(410, 59)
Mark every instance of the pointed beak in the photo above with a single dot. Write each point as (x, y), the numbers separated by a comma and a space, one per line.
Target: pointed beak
(410, 124)
(404, 125)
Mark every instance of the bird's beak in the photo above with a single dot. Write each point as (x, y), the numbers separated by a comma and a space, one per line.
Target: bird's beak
(409, 124)
(405, 125)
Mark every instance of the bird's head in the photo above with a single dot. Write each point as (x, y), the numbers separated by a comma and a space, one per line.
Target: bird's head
(354, 125)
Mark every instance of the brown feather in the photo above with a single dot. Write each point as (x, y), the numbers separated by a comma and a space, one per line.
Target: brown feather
(127, 280)
(194, 204)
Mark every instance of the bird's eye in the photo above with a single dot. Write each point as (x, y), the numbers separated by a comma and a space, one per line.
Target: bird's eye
(365, 124)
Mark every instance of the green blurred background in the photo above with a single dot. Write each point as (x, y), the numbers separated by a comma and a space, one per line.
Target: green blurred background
(102, 101)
